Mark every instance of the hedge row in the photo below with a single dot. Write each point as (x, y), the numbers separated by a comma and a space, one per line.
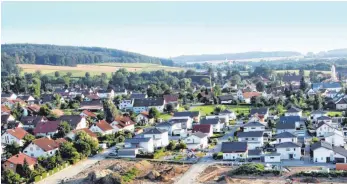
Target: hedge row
(51, 172)
(323, 174)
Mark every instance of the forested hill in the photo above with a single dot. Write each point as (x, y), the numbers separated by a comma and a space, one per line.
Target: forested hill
(72, 55)
(235, 56)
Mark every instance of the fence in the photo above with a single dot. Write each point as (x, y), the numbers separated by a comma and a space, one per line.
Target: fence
(49, 173)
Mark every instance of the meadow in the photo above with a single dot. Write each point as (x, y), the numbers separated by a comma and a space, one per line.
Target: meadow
(95, 69)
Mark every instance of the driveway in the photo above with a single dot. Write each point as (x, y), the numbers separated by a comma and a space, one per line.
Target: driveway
(194, 171)
(73, 170)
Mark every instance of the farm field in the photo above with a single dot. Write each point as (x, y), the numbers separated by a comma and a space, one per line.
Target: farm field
(95, 69)
(307, 72)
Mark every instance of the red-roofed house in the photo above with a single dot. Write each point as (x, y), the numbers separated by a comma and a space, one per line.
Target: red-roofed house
(144, 119)
(86, 113)
(123, 123)
(14, 161)
(45, 128)
(33, 109)
(42, 147)
(73, 133)
(102, 127)
(204, 128)
(14, 135)
(5, 110)
(172, 99)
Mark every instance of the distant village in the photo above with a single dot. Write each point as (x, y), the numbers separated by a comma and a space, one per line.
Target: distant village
(223, 116)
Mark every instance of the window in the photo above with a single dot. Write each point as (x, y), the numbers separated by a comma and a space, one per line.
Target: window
(252, 128)
(11, 165)
(272, 157)
(37, 148)
(252, 139)
(279, 140)
(287, 149)
(294, 149)
(246, 139)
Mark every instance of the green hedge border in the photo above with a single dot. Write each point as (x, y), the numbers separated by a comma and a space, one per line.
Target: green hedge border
(50, 172)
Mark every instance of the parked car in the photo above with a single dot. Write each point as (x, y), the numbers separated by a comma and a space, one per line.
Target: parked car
(112, 154)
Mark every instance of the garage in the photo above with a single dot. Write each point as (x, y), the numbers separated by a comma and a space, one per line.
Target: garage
(340, 160)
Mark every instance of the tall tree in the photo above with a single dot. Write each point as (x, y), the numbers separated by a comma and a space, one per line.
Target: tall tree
(303, 84)
(260, 86)
(63, 129)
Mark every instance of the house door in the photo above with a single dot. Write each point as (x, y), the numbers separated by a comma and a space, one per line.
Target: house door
(328, 159)
(291, 156)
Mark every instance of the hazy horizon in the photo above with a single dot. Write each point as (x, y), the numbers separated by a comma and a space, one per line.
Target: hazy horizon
(170, 29)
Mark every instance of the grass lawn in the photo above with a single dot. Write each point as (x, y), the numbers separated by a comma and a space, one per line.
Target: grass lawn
(165, 116)
(206, 110)
(334, 113)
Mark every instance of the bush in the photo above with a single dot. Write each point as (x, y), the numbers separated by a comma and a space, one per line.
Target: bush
(217, 156)
(322, 174)
(129, 175)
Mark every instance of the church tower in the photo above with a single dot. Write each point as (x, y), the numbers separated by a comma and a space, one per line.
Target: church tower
(333, 73)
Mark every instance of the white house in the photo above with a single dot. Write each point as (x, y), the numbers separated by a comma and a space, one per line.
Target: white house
(160, 137)
(215, 122)
(318, 113)
(234, 150)
(293, 111)
(311, 92)
(286, 137)
(76, 121)
(197, 140)
(9, 96)
(187, 123)
(335, 138)
(271, 158)
(126, 104)
(145, 144)
(254, 139)
(260, 112)
(102, 127)
(144, 119)
(194, 115)
(15, 135)
(324, 128)
(43, 147)
(341, 104)
(289, 150)
(285, 127)
(324, 152)
(325, 119)
(224, 119)
(145, 104)
(253, 126)
(123, 124)
(226, 99)
(120, 91)
(229, 113)
(109, 93)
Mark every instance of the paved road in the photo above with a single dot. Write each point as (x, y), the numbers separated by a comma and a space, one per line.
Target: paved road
(71, 171)
(192, 174)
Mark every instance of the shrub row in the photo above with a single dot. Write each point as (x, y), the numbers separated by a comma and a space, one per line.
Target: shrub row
(51, 172)
(323, 174)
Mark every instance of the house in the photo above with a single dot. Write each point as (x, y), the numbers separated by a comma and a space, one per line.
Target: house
(144, 144)
(18, 159)
(5, 119)
(138, 96)
(234, 150)
(255, 154)
(127, 152)
(246, 96)
(194, 115)
(123, 123)
(8, 96)
(293, 111)
(324, 152)
(289, 150)
(286, 137)
(33, 109)
(145, 104)
(297, 120)
(260, 112)
(215, 122)
(120, 91)
(102, 127)
(325, 119)
(206, 129)
(5, 110)
(253, 126)
(86, 113)
(48, 98)
(318, 113)
(324, 128)
(126, 104)
(94, 105)
(15, 135)
(226, 99)
(329, 86)
(75, 121)
(144, 119)
(254, 139)
(285, 127)
(341, 104)
(43, 147)
(271, 158)
(27, 98)
(171, 99)
(160, 137)
(109, 93)
(30, 122)
(72, 134)
(197, 140)
(187, 123)
(292, 79)
(311, 92)
(229, 113)
(335, 138)
(91, 97)
(174, 127)
(45, 128)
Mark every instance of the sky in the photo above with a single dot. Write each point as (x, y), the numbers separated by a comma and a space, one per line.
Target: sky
(169, 29)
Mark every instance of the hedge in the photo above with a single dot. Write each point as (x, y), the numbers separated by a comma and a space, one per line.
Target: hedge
(51, 172)
(323, 174)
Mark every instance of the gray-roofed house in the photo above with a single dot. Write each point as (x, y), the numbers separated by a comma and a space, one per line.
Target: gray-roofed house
(324, 128)
(318, 113)
(262, 112)
(341, 104)
(197, 140)
(255, 154)
(253, 126)
(29, 122)
(286, 137)
(138, 96)
(144, 144)
(231, 114)
(103, 94)
(127, 152)
(174, 126)
(94, 105)
(76, 121)
(226, 99)
(330, 86)
(234, 150)
(146, 104)
(215, 122)
(194, 115)
(289, 150)
(293, 111)
(254, 139)
(160, 137)
(324, 152)
(271, 157)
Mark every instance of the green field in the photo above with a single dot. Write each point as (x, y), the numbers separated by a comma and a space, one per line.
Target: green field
(206, 110)
(307, 72)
